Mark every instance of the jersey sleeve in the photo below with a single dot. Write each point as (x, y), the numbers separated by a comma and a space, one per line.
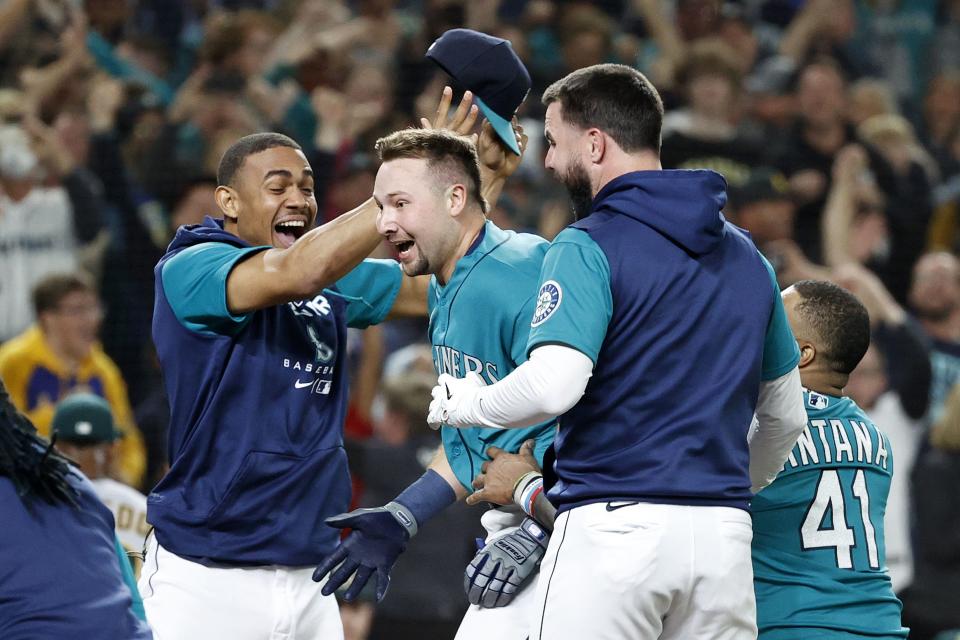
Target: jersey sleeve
(574, 302)
(780, 350)
(370, 290)
(195, 284)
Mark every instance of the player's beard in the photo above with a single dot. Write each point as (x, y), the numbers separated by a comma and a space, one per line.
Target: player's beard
(577, 183)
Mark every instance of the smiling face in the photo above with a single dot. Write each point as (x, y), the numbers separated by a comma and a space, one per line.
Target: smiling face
(416, 215)
(271, 201)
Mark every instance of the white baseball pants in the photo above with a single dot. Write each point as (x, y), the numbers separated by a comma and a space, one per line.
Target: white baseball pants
(646, 571)
(511, 622)
(186, 600)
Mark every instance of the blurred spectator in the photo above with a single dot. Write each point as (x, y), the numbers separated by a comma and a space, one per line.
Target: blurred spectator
(64, 574)
(705, 134)
(941, 119)
(426, 600)
(935, 300)
(868, 97)
(86, 433)
(49, 206)
(762, 205)
(893, 384)
(819, 132)
(932, 603)
(869, 388)
(945, 49)
(896, 37)
(60, 355)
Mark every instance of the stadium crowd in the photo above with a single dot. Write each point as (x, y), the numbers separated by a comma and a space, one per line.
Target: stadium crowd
(836, 124)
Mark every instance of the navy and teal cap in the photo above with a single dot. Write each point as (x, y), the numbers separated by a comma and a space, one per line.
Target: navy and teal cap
(491, 69)
(84, 418)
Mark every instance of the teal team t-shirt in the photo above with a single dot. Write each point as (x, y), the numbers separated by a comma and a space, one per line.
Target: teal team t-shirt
(480, 321)
(818, 545)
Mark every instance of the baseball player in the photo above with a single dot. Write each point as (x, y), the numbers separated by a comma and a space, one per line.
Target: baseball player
(64, 575)
(658, 332)
(86, 433)
(818, 550)
(818, 543)
(427, 188)
(250, 323)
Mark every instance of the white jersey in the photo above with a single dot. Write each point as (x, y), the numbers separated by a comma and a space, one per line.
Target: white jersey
(36, 238)
(129, 508)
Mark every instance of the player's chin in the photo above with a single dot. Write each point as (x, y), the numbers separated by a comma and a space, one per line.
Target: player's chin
(412, 263)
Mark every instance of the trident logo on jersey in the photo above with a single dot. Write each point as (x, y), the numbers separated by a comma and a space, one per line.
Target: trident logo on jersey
(548, 300)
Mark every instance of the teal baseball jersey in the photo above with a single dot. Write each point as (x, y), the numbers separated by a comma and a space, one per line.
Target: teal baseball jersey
(480, 322)
(818, 550)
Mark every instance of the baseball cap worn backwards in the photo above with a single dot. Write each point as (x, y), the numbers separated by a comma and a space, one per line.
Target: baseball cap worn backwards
(491, 69)
(84, 418)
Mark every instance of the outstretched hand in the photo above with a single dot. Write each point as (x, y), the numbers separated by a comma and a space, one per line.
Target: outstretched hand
(463, 119)
(498, 476)
(374, 545)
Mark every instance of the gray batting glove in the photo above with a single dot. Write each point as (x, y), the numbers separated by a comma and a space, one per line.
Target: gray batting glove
(499, 570)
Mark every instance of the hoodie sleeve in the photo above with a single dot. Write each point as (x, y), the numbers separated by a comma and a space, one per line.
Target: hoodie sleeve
(574, 302)
(195, 284)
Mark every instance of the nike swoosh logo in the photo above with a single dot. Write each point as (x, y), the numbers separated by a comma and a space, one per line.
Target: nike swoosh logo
(301, 385)
(449, 395)
(613, 507)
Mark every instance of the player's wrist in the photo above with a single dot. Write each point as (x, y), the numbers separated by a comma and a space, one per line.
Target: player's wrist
(422, 500)
(526, 491)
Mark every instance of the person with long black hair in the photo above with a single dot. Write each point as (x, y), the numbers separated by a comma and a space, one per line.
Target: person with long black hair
(62, 574)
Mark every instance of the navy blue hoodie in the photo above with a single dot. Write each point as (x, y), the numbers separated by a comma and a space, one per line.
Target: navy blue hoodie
(682, 318)
(257, 407)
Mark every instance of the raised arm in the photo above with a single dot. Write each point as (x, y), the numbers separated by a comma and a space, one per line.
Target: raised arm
(317, 260)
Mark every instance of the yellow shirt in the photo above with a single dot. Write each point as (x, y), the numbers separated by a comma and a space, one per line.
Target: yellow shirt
(37, 381)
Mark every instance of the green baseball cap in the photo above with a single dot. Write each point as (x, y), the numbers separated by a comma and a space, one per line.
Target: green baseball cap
(84, 418)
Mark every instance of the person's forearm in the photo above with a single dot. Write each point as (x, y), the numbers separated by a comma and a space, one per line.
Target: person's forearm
(908, 365)
(780, 420)
(86, 204)
(441, 465)
(530, 496)
(315, 261)
(837, 218)
(491, 187)
(545, 386)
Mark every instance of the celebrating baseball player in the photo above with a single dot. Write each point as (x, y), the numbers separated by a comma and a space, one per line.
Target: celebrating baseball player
(250, 325)
(818, 537)
(658, 332)
(427, 188)
(818, 550)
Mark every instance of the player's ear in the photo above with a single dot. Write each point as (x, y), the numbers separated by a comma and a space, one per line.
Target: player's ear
(229, 202)
(456, 199)
(808, 353)
(596, 143)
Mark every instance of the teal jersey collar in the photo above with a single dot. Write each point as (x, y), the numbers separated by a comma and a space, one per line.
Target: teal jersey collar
(490, 237)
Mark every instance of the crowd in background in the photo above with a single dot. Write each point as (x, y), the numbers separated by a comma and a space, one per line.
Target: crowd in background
(836, 124)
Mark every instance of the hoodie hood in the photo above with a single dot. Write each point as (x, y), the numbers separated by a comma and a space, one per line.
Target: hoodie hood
(680, 204)
(210, 230)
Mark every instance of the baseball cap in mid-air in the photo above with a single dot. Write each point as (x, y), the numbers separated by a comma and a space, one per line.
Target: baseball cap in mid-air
(491, 69)
(84, 418)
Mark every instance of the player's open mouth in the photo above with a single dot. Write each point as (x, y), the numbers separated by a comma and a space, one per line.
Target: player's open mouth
(288, 230)
(403, 249)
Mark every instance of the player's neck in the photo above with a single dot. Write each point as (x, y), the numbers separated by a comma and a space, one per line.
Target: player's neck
(828, 383)
(472, 227)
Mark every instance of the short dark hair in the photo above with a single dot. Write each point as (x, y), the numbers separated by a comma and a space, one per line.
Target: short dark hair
(453, 157)
(234, 157)
(840, 321)
(49, 292)
(615, 98)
